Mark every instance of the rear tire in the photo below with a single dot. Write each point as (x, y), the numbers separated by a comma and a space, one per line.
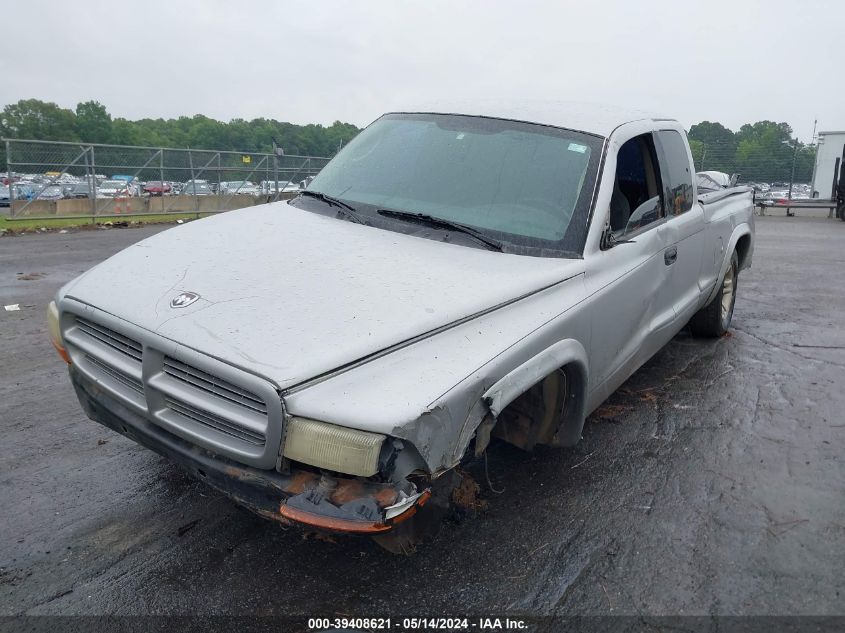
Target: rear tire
(714, 319)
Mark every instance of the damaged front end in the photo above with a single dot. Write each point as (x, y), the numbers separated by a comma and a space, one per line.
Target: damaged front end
(391, 485)
(295, 493)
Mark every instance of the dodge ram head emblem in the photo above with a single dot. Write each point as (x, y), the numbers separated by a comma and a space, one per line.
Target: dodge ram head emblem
(183, 299)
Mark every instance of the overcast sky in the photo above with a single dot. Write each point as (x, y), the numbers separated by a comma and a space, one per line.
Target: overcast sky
(318, 61)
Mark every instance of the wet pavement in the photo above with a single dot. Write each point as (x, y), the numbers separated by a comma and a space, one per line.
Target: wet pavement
(712, 482)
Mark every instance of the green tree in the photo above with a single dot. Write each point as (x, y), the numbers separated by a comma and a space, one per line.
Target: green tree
(126, 132)
(717, 146)
(34, 119)
(764, 151)
(93, 123)
(697, 149)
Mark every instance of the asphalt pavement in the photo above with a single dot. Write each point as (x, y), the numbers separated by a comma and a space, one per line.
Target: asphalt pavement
(712, 482)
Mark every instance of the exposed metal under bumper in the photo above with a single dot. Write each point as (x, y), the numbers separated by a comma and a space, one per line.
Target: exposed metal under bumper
(352, 506)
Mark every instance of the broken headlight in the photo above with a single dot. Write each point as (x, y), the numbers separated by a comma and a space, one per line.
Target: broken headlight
(332, 447)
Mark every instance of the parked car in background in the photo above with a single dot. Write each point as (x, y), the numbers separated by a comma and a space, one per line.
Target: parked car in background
(195, 181)
(196, 188)
(239, 187)
(157, 188)
(25, 191)
(114, 188)
(343, 390)
(284, 186)
(51, 192)
(79, 190)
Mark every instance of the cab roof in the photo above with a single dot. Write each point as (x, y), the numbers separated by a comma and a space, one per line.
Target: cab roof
(596, 119)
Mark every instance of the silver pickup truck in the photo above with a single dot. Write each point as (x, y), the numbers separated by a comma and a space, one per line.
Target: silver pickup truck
(449, 277)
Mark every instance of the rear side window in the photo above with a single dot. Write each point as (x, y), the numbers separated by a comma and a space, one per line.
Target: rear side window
(677, 175)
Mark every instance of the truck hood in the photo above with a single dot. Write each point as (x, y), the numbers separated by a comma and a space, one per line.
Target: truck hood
(290, 295)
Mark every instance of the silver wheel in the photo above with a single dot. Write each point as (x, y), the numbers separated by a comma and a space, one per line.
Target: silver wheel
(714, 319)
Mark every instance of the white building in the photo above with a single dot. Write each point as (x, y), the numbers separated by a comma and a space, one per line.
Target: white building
(828, 170)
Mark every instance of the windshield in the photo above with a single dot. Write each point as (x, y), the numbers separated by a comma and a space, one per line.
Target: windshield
(528, 186)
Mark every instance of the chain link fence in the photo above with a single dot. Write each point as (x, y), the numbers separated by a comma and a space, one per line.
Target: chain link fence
(785, 175)
(772, 170)
(48, 179)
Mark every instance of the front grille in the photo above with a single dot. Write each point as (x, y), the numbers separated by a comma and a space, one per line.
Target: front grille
(117, 375)
(115, 340)
(214, 422)
(238, 416)
(213, 385)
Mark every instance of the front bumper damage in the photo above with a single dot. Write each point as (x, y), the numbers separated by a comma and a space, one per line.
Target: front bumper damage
(300, 497)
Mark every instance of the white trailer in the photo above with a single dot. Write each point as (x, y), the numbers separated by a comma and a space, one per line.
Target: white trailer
(828, 171)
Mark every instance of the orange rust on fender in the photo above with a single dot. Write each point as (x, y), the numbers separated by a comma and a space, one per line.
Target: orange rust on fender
(347, 490)
(385, 497)
(332, 523)
(350, 489)
(299, 482)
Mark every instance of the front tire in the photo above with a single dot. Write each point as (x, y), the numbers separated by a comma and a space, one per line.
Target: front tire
(714, 319)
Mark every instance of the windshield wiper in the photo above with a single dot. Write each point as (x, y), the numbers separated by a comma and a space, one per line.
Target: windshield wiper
(442, 223)
(347, 209)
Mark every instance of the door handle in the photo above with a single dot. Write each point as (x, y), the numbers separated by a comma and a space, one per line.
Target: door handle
(670, 255)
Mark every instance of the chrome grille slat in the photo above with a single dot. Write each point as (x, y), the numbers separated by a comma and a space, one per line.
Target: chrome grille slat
(111, 338)
(206, 382)
(213, 421)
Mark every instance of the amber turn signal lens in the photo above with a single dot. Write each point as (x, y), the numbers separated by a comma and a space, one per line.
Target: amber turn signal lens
(55, 331)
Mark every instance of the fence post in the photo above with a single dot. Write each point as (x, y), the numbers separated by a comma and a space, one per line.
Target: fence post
(193, 183)
(161, 175)
(89, 177)
(219, 194)
(275, 174)
(9, 177)
(93, 187)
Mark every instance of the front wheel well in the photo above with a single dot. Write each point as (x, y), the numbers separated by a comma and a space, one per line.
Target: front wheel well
(743, 247)
(550, 412)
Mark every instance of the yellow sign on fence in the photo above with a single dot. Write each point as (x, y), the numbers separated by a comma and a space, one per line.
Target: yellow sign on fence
(246, 159)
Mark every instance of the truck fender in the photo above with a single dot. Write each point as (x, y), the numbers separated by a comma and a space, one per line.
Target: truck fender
(567, 352)
(738, 232)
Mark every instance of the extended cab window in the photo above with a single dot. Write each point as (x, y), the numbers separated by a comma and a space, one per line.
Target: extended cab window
(676, 172)
(636, 200)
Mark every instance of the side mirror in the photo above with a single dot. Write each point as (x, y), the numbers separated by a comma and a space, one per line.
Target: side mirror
(646, 213)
